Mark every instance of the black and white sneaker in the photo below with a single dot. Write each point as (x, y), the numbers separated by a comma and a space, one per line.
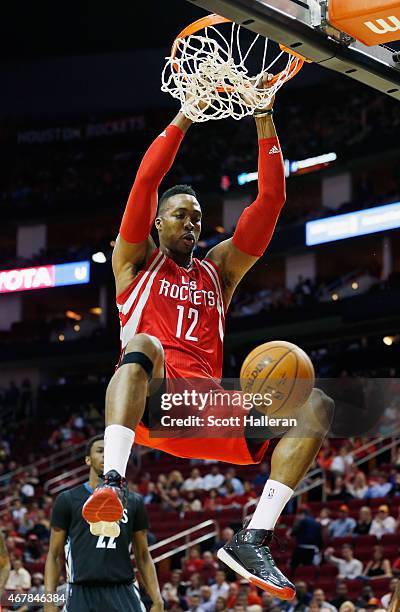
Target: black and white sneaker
(105, 506)
(248, 555)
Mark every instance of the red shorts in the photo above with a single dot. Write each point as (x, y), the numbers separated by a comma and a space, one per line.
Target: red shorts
(203, 440)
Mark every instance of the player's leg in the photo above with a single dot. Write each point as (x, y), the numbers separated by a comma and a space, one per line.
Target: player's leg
(79, 599)
(142, 362)
(122, 597)
(248, 552)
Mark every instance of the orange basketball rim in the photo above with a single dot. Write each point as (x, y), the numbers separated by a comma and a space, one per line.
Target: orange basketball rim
(212, 20)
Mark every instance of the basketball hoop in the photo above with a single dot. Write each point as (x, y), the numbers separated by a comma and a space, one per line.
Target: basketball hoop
(213, 68)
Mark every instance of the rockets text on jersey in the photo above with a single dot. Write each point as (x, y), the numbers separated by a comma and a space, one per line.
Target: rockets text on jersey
(183, 308)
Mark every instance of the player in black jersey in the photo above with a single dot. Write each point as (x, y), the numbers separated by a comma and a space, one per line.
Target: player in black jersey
(99, 569)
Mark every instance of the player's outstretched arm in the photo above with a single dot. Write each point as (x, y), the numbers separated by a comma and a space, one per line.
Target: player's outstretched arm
(256, 224)
(146, 569)
(134, 244)
(53, 565)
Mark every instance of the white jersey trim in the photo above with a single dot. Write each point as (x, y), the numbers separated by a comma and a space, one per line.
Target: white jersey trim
(129, 329)
(124, 308)
(220, 304)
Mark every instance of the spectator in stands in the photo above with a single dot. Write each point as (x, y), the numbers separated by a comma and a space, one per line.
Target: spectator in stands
(206, 602)
(36, 590)
(396, 483)
(349, 568)
(324, 457)
(341, 595)
(319, 599)
(324, 519)
(194, 603)
(262, 476)
(192, 503)
(170, 589)
(27, 491)
(194, 563)
(303, 595)
(248, 494)
(386, 599)
(364, 521)
(175, 480)
(367, 593)
(382, 523)
(19, 578)
(249, 596)
(220, 588)
(226, 536)
(342, 461)
(338, 492)
(220, 605)
(380, 488)
(232, 594)
(194, 483)
(307, 532)
(42, 526)
(227, 499)
(344, 525)
(209, 568)
(171, 500)
(194, 585)
(373, 604)
(18, 511)
(378, 566)
(214, 479)
(145, 480)
(162, 483)
(211, 503)
(347, 606)
(33, 549)
(359, 487)
(231, 478)
(151, 497)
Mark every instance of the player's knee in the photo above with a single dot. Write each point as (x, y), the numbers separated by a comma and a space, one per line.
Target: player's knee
(149, 345)
(144, 353)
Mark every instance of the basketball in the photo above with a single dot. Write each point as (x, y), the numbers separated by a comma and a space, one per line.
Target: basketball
(282, 370)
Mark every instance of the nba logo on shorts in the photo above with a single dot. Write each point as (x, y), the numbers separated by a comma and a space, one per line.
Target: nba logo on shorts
(271, 493)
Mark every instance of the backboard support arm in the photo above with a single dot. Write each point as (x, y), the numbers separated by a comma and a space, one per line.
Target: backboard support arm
(299, 25)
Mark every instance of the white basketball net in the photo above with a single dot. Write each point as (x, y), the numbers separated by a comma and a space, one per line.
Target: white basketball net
(209, 61)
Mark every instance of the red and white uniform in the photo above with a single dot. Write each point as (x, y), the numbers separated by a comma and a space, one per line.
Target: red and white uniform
(183, 309)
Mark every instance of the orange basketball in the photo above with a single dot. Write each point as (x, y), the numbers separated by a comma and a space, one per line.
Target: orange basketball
(282, 372)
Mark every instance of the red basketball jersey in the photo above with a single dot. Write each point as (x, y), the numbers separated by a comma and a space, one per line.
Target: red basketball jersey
(183, 309)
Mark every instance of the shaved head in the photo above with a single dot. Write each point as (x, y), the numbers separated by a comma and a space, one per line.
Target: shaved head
(176, 190)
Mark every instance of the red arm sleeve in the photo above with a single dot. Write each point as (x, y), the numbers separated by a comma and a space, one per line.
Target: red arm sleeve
(256, 224)
(141, 208)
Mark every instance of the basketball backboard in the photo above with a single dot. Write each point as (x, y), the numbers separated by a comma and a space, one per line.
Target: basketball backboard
(302, 25)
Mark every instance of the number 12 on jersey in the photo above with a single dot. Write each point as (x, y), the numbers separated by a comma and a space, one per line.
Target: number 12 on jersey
(193, 316)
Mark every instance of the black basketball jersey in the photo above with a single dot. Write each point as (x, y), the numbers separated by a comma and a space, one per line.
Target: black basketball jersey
(96, 559)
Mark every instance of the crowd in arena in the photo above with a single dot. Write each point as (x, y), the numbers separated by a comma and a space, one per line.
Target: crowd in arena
(351, 539)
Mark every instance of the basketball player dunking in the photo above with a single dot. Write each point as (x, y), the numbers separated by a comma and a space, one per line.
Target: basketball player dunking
(172, 308)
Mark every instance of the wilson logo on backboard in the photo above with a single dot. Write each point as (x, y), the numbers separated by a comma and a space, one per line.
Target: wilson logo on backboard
(372, 22)
(384, 26)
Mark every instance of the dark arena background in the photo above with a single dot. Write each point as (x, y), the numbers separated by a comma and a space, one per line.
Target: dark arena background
(80, 102)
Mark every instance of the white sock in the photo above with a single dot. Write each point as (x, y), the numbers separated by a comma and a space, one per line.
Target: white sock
(118, 442)
(273, 499)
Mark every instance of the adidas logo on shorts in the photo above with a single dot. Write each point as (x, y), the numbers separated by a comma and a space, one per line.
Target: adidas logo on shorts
(274, 150)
